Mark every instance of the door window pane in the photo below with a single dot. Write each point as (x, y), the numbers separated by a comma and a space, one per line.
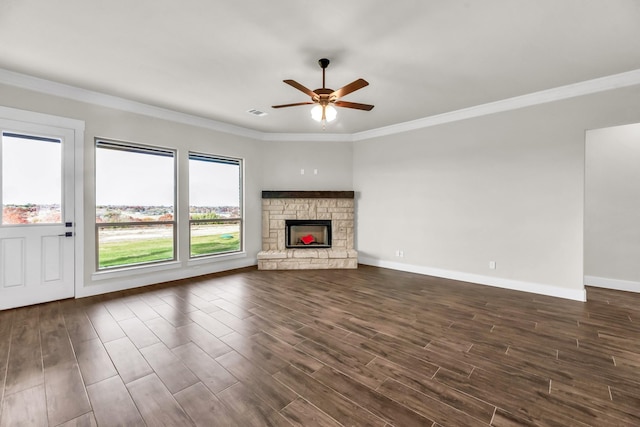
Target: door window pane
(31, 179)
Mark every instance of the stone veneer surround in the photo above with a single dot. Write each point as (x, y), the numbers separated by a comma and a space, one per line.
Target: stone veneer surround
(278, 206)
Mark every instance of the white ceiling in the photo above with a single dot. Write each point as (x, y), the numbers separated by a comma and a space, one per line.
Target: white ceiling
(217, 59)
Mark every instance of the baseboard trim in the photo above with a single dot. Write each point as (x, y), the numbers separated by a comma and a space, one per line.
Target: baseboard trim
(616, 284)
(516, 285)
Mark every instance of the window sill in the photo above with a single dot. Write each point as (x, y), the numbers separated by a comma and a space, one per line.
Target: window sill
(140, 269)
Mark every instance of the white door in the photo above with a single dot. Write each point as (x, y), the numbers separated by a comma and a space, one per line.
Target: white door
(36, 222)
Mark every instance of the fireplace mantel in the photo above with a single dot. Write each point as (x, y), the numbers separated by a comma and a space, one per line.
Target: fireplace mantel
(308, 194)
(280, 206)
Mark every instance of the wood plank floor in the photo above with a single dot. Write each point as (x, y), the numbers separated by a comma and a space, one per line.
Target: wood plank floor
(322, 348)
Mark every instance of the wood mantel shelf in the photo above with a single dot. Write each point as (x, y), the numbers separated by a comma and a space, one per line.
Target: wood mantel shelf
(308, 194)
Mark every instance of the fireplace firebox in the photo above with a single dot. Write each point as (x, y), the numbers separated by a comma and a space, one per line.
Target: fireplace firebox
(307, 233)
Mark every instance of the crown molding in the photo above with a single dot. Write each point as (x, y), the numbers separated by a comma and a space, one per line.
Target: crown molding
(83, 95)
(602, 84)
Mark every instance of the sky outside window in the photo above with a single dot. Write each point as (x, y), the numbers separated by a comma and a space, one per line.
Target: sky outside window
(31, 179)
(213, 184)
(125, 178)
(31, 171)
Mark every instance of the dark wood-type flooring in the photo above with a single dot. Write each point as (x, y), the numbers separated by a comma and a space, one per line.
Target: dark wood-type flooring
(322, 348)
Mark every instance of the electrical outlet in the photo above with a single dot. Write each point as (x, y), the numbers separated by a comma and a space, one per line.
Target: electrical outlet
(315, 171)
(492, 265)
(301, 171)
(401, 254)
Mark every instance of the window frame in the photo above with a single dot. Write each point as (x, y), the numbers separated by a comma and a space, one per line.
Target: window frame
(193, 155)
(134, 147)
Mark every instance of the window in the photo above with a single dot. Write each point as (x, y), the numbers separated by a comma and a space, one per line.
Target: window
(31, 179)
(215, 208)
(135, 204)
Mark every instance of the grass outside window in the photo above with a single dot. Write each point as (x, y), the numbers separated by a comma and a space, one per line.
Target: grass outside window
(212, 238)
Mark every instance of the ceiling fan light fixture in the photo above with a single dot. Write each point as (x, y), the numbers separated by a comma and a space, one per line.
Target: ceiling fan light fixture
(330, 113)
(326, 99)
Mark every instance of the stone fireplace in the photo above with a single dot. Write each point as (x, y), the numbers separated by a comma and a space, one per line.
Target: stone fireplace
(307, 230)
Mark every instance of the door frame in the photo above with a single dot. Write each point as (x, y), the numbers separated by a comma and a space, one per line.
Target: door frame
(77, 127)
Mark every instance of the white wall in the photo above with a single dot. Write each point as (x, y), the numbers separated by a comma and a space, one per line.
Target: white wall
(612, 208)
(506, 187)
(283, 162)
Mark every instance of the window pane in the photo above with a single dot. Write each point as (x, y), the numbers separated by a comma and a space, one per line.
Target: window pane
(215, 192)
(133, 186)
(31, 179)
(135, 195)
(214, 237)
(135, 244)
(214, 188)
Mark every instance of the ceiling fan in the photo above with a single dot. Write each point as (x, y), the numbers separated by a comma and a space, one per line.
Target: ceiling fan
(326, 98)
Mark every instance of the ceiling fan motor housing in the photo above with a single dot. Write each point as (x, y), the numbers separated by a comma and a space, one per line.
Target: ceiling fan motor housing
(324, 96)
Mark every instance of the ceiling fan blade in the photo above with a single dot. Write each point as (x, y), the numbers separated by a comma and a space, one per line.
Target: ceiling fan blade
(301, 88)
(351, 87)
(357, 106)
(292, 105)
